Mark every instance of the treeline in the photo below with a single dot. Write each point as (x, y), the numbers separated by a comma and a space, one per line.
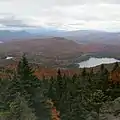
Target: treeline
(25, 97)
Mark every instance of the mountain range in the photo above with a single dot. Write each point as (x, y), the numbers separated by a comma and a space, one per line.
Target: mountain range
(80, 36)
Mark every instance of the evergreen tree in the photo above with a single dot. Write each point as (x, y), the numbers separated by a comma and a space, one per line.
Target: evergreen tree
(26, 77)
(91, 72)
(25, 83)
(24, 97)
(23, 69)
(25, 73)
(57, 91)
(84, 73)
(4, 108)
(74, 78)
(40, 105)
(19, 109)
(102, 67)
(102, 78)
(96, 101)
(60, 85)
(115, 66)
(52, 90)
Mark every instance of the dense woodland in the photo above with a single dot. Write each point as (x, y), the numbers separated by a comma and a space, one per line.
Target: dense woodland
(25, 97)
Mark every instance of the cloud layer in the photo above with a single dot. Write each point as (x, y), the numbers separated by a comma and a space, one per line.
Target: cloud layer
(67, 14)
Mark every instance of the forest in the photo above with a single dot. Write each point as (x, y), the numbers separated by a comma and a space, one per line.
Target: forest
(24, 96)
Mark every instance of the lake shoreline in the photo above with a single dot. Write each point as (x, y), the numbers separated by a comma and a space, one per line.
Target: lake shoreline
(96, 61)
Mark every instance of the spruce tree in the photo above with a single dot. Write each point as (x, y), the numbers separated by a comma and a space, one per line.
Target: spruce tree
(91, 72)
(58, 90)
(102, 67)
(102, 78)
(60, 84)
(84, 73)
(52, 90)
(4, 107)
(115, 66)
(23, 69)
(96, 101)
(27, 79)
(19, 109)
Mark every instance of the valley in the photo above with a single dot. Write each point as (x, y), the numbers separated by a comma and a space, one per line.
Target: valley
(56, 52)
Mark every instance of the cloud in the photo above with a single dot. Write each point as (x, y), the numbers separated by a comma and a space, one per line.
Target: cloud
(12, 22)
(78, 2)
(61, 14)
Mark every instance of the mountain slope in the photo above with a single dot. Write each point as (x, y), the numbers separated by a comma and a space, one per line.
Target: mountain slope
(80, 36)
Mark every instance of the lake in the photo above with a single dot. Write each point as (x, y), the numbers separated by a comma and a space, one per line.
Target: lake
(92, 62)
(9, 58)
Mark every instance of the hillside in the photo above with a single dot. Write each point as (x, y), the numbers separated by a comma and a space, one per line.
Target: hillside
(46, 47)
(80, 36)
(43, 51)
(56, 52)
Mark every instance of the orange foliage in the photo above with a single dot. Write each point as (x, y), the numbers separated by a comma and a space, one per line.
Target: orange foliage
(41, 71)
(115, 76)
(55, 115)
(53, 72)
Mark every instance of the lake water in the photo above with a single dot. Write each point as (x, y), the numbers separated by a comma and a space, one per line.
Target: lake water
(92, 62)
(9, 58)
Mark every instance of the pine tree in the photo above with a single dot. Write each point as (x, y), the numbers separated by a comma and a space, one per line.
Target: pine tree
(102, 67)
(102, 78)
(91, 72)
(26, 76)
(58, 90)
(96, 100)
(84, 73)
(25, 83)
(19, 109)
(115, 66)
(52, 90)
(60, 84)
(74, 100)
(74, 78)
(4, 108)
(23, 69)
(40, 104)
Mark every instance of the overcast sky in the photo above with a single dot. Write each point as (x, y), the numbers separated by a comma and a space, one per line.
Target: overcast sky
(61, 14)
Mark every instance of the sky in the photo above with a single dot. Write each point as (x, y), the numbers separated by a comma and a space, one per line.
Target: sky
(60, 14)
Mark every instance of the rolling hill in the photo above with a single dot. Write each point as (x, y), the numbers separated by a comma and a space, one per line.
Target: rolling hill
(80, 36)
(56, 51)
